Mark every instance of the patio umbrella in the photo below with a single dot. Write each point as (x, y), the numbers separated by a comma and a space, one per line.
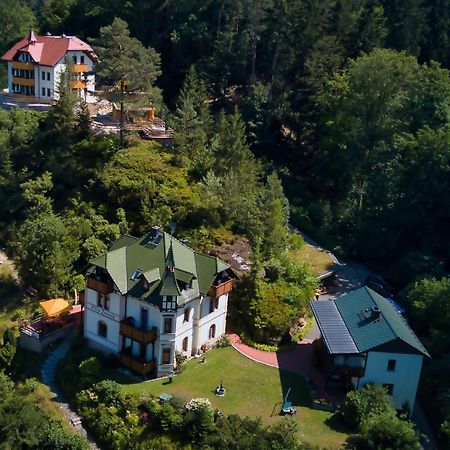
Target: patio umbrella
(55, 307)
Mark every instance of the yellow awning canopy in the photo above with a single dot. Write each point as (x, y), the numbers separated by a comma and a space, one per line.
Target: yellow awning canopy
(55, 307)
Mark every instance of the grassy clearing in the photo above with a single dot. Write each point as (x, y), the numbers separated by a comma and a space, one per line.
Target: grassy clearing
(252, 390)
(319, 260)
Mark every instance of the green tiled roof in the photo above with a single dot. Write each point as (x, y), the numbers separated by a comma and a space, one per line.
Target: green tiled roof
(355, 309)
(170, 285)
(164, 263)
(123, 241)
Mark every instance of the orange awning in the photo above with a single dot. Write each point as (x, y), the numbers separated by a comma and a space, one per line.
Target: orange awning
(55, 307)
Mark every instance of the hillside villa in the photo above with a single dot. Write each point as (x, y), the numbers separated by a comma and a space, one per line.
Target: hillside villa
(148, 298)
(364, 340)
(35, 65)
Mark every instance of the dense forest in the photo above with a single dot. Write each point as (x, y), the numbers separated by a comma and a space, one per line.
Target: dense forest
(331, 115)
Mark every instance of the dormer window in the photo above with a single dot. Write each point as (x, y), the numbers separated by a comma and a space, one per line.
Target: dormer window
(136, 274)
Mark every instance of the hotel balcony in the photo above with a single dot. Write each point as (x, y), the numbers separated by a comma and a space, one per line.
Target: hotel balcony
(23, 65)
(221, 289)
(23, 81)
(78, 84)
(103, 287)
(137, 334)
(80, 68)
(136, 364)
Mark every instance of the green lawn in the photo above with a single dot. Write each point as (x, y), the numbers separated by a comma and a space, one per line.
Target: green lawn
(252, 390)
(319, 260)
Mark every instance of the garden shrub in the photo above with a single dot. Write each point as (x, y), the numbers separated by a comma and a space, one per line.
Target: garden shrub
(9, 337)
(358, 405)
(180, 359)
(89, 371)
(223, 341)
(385, 431)
(199, 418)
(108, 392)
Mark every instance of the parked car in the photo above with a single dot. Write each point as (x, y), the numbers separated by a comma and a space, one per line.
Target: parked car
(380, 286)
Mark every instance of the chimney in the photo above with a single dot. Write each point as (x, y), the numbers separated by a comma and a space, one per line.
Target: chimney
(155, 231)
(32, 38)
(376, 313)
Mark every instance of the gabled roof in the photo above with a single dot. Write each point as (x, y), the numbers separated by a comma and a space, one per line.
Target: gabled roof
(369, 330)
(48, 50)
(163, 261)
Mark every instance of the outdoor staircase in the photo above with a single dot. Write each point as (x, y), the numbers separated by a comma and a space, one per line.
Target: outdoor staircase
(48, 377)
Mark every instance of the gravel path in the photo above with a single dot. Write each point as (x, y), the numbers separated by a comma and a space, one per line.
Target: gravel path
(48, 377)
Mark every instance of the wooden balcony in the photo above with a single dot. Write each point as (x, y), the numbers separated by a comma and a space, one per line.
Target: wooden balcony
(99, 286)
(23, 65)
(79, 68)
(136, 364)
(221, 289)
(137, 334)
(78, 84)
(23, 81)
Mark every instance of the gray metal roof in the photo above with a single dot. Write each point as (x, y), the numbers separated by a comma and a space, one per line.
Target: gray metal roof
(334, 332)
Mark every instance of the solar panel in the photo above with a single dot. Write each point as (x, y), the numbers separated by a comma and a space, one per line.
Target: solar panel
(333, 329)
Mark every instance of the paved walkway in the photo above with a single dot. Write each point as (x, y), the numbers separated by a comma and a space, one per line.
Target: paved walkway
(299, 359)
(48, 377)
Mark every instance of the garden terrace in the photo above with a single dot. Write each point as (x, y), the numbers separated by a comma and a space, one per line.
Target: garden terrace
(252, 389)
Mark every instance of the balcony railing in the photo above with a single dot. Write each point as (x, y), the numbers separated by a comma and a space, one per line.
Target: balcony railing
(23, 65)
(99, 286)
(221, 289)
(136, 364)
(78, 84)
(137, 334)
(78, 68)
(347, 371)
(24, 81)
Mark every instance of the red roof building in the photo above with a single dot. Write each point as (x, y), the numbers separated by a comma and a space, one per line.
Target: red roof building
(35, 65)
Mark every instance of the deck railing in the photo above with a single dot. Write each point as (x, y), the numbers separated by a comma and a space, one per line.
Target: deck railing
(136, 364)
(221, 289)
(136, 333)
(103, 287)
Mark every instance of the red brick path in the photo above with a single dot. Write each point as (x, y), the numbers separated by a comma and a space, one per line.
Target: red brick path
(298, 359)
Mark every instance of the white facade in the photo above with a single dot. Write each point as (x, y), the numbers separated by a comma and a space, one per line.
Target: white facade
(398, 372)
(199, 322)
(38, 78)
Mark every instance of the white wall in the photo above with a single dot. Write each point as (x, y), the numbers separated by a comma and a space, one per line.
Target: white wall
(10, 77)
(61, 65)
(93, 314)
(405, 377)
(185, 329)
(133, 309)
(218, 318)
(173, 340)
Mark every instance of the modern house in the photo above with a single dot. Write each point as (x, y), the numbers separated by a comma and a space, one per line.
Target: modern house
(35, 65)
(365, 340)
(147, 298)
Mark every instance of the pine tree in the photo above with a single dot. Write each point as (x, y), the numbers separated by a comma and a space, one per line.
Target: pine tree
(131, 68)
